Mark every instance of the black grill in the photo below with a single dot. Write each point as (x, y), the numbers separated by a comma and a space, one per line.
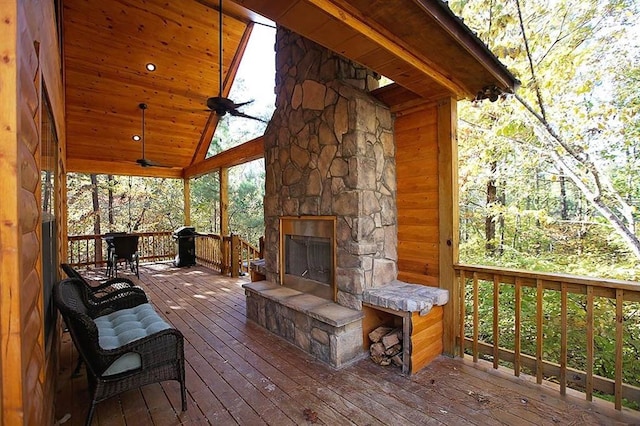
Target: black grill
(185, 237)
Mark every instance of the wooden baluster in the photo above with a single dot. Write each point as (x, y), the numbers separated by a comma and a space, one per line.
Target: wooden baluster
(589, 360)
(563, 338)
(496, 329)
(619, 346)
(475, 317)
(516, 349)
(235, 255)
(539, 330)
(463, 309)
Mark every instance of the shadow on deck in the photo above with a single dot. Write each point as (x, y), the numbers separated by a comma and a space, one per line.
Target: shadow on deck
(239, 373)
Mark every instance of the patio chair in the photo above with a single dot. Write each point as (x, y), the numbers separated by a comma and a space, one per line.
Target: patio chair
(110, 290)
(123, 342)
(102, 289)
(124, 247)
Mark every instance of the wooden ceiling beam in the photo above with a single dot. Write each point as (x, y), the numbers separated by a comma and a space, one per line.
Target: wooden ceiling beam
(75, 165)
(248, 151)
(341, 10)
(213, 120)
(454, 26)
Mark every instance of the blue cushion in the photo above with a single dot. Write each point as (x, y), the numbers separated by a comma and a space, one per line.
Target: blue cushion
(125, 326)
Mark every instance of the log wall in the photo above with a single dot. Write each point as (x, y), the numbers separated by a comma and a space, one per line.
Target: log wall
(417, 196)
(30, 60)
(427, 202)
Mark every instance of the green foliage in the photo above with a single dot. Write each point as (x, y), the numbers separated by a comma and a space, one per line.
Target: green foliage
(563, 156)
(545, 220)
(139, 204)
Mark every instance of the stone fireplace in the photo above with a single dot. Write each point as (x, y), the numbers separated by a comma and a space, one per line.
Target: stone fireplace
(330, 205)
(329, 151)
(307, 257)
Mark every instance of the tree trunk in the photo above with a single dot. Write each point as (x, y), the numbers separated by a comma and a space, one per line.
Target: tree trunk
(96, 219)
(110, 201)
(564, 209)
(490, 220)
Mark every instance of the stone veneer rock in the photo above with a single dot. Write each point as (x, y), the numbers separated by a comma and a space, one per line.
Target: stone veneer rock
(329, 150)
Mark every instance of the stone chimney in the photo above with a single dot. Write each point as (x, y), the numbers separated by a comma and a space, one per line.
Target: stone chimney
(329, 151)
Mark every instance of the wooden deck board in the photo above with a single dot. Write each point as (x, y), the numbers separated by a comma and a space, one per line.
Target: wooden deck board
(239, 373)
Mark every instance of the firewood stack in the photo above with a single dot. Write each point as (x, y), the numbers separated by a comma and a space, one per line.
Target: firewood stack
(386, 346)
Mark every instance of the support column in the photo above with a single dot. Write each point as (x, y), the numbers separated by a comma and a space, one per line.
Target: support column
(186, 193)
(223, 175)
(448, 217)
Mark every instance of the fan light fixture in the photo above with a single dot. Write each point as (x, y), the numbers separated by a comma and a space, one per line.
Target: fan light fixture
(220, 104)
(144, 162)
(151, 67)
(136, 138)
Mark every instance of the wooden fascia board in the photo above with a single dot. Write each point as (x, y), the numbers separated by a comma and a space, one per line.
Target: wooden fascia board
(235, 156)
(78, 165)
(341, 11)
(471, 43)
(212, 123)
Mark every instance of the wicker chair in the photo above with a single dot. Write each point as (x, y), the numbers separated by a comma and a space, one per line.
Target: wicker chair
(103, 289)
(119, 361)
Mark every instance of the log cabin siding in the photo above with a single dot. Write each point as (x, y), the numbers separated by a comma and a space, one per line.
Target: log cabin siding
(416, 136)
(30, 61)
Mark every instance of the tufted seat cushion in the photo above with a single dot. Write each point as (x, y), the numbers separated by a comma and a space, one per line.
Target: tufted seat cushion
(125, 326)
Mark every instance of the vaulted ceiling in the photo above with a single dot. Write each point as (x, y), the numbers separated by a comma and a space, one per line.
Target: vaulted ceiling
(417, 43)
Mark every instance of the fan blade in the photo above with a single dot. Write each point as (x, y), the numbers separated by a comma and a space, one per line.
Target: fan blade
(148, 163)
(236, 106)
(237, 113)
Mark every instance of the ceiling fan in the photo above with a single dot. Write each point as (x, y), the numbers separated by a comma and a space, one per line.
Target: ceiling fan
(144, 162)
(219, 104)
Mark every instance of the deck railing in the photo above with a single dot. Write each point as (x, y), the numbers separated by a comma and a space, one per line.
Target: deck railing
(219, 253)
(509, 315)
(85, 250)
(214, 251)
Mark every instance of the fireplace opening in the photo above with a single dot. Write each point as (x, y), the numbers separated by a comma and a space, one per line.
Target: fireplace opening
(308, 254)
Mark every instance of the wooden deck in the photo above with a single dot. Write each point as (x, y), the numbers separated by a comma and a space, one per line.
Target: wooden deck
(238, 373)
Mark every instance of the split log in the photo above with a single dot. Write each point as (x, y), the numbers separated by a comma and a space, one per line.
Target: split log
(392, 338)
(393, 350)
(397, 360)
(376, 335)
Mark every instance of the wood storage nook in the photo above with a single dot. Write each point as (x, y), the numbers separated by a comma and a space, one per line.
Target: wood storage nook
(421, 335)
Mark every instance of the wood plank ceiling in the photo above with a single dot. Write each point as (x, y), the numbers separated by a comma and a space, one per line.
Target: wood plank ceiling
(106, 47)
(419, 44)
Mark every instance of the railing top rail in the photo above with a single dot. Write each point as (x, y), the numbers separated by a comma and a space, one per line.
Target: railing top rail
(94, 236)
(550, 276)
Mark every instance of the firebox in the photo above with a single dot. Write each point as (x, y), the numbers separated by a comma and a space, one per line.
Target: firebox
(307, 254)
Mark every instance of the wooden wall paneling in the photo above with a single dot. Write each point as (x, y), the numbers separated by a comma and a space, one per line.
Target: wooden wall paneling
(426, 338)
(31, 316)
(417, 196)
(10, 391)
(448, 216)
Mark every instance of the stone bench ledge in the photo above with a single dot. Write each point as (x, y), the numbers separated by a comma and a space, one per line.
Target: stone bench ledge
(316, 307)
(401, 296)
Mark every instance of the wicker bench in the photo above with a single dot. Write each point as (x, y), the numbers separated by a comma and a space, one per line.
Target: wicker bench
(122, 340)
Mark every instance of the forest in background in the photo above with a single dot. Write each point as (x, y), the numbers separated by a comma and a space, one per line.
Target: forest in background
(549, 177)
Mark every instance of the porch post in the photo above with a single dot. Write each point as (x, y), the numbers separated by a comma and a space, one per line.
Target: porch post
(223, 174)
(186, 192)
(223, 177)
(448, 216)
